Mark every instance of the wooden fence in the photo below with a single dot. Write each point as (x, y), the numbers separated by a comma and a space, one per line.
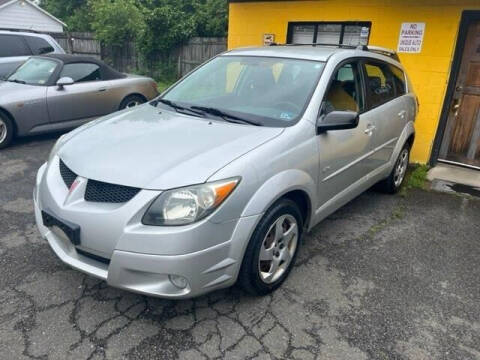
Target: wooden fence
(79, 43)
(126, 59)
(198, 50)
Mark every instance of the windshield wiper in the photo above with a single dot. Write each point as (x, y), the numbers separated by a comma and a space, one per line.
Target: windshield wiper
(225, 115)
(17, 81)
(177, 107)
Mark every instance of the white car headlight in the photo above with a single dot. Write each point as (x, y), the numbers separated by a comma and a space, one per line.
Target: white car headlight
(189, 204)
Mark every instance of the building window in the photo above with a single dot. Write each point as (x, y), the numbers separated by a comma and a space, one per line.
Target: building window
(345, 33)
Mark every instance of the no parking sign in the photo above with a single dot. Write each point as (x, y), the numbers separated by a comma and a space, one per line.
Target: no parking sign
(411, 37)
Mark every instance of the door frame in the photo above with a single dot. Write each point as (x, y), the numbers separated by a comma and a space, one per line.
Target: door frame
(468, 16)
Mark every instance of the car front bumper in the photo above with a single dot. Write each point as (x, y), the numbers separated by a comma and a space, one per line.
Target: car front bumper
(150, 269)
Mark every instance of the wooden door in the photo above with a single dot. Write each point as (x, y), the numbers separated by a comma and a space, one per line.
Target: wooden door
(461, 143)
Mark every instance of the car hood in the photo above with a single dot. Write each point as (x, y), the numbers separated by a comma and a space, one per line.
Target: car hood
(10, 89)
(151, 148)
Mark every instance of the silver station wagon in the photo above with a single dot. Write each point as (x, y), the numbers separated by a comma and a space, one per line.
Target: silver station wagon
(215, 181)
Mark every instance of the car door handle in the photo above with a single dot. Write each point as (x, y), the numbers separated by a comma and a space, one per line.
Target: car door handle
(102, 89)
(369, 129)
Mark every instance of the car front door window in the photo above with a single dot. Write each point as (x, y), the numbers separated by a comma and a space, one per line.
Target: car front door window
(81, 72)
(13, 45)
(345, 93)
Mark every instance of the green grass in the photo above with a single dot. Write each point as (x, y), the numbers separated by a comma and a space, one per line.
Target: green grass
(162, 85)
(418, 177)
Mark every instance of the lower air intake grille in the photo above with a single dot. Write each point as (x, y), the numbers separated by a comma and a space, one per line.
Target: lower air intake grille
(98, 191)
(94, 257)
(68, 175)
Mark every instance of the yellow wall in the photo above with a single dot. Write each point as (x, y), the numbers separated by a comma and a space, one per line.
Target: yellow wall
(428, 70)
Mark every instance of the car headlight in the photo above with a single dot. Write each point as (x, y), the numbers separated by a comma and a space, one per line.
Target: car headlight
(189, 204)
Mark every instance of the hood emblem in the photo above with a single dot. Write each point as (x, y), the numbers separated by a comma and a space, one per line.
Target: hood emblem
(74, 185)
(75, 191)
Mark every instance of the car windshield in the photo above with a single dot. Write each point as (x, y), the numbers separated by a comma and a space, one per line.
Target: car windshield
(34, 71)
(262, 90)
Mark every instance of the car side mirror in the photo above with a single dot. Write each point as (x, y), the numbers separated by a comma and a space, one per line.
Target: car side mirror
(337, 120)
(64, 81)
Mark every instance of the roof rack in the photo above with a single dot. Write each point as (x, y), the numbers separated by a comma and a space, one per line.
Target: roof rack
(345, 46)
(381, 50)
(374, 49)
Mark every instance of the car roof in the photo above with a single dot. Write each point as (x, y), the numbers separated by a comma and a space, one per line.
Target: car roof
(69, 58)
(108, 73)
(24, 33)
(315, 52)
(318, 53)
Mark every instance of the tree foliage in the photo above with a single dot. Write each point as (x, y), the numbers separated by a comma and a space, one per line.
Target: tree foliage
(212, 18)
(168, 23)
(116, 22)
(157, 26)
(75, 13)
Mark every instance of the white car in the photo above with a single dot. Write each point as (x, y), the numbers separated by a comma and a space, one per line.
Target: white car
(16, 47)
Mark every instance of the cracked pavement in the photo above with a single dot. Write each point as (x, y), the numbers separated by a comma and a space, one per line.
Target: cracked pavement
(385, 277)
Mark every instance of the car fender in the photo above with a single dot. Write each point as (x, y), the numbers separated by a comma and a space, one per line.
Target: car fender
(266, 195)
(277, 186)
(407, 131)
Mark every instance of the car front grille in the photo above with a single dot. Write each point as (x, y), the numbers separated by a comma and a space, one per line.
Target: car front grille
(68, 175)
(98, 191)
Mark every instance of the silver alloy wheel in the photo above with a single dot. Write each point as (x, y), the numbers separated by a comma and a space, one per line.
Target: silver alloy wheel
(400, 168)
(132, 103)
(278, 248)
(3, 130)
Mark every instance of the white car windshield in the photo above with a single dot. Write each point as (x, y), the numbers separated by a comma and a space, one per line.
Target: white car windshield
(265, 90)
(35, 71)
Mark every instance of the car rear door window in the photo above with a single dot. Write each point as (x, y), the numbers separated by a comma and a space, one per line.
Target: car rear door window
(13, 45)
(81, 72)
(380, 83)
(399, 78)
(345, 91)
(38, 45)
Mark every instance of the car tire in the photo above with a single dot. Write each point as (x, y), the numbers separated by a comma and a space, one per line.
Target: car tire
(394, 181)
(6, 131)
(272, 249)
(132, 101)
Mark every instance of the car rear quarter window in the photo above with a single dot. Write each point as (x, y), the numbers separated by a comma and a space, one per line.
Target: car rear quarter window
(38, 45)
(380, 83)
(81, 72)
(399, 78)
(13, 45)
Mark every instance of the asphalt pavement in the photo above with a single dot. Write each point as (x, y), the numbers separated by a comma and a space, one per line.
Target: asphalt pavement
(385, 277)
